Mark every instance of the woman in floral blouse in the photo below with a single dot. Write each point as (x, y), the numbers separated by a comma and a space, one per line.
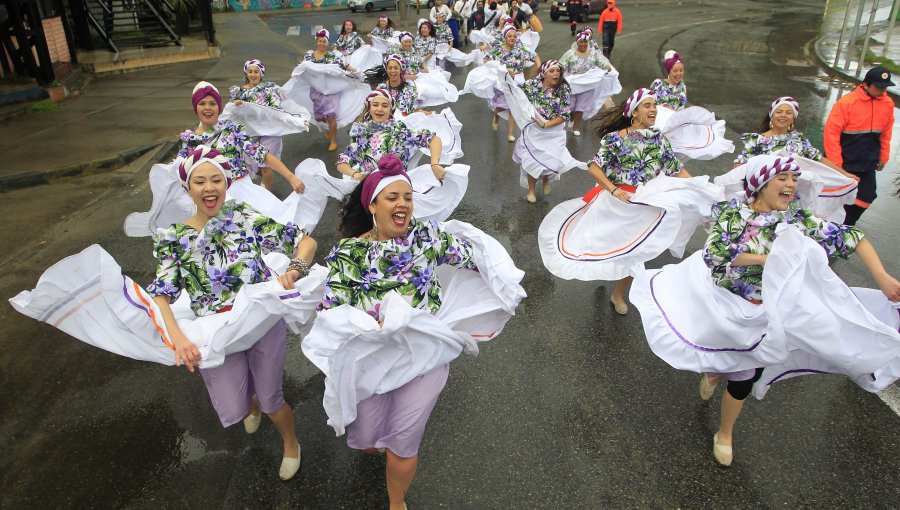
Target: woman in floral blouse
(439, 16)
(268, 94)
(578, 60)
(379, 134)
(348, 40)
(229, 138)
(390, 77)
(550, 95)
(736, 252)
(384, 28)
(511, 53)
(415, 63)
(211, 256)
(384, 250)
(776, 133)
(671, 92)
(325, 106)
(425, 42)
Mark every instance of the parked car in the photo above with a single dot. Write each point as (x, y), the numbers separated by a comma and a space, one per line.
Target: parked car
(423, 4)
(558, 8)
(371, 5)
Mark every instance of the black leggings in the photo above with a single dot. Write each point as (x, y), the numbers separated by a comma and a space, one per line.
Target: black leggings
(739, 390)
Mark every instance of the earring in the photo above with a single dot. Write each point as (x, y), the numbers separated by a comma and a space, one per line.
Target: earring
(770, 125)
(374, 228)
(792, 127)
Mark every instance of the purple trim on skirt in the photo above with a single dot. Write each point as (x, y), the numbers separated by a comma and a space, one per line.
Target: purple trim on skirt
(396, 420)
(258, 371)
(603, 259)
(498, 102)
(685, 340)
(742, 375)
(796, 371)
(324, 105)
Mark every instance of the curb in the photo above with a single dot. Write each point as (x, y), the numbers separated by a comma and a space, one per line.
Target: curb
(29, 179)
(838, 73)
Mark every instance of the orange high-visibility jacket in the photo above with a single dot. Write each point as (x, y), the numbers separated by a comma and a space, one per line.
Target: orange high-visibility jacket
(611, 15)
(858, 131)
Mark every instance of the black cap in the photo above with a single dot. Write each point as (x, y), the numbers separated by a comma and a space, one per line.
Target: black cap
(880, 77)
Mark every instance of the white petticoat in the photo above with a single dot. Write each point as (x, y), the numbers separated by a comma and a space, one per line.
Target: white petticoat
(260, 120)
(809, 322)
(593, 88)
(434, 88)
(432, 199)
(327, 79)
(482, 81)
(694, 132)
(171, 204)
(821, 189)
(445, 125)
(360, 358)
(459, 58)
(365, 57)
(87, 296)
(607, 239)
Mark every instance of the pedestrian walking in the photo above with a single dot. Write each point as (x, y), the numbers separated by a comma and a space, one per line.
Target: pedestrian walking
(858, 136)
(609, 25)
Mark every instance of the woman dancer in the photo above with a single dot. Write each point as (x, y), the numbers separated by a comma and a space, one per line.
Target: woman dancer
(379, 134)
(390, 77)
(549, 93)
(266, 94)
(579, 60)
(763, 241)
(325, 106)
(425, 42)
(388, 409)
(608, 236)
(671, 92)
(229, 138)
(439, 16)
(512, 54)
(348, 40)
(383, 29)
(415, 63)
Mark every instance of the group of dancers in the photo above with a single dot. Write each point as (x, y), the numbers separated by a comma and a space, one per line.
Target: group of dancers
(391, 305)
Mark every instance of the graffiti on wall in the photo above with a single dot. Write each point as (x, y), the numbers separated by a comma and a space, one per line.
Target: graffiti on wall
(265, 5)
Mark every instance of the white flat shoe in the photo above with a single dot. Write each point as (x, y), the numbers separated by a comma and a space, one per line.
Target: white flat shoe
(620, 308)
(531, 198)
(511, 138)
(289, 466)
(576, 133)
(724, 454)
(547, 188)
(251, 423)
(707, 388)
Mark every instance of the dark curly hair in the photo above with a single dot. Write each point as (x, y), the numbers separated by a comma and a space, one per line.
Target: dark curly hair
(610, 120)
(355, 220)
(352, 23)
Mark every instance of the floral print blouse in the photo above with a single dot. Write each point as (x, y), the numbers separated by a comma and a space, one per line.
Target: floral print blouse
(756, 144)
(328, 58)
(406, 96)
(370, 140)
(385, 33)
(514, 59)
(443, 33)
(637, 157)
(414, 61)
(213, 265)
(740, 229)
(362, 271)
(425, 45)
(348, 43)
(231, 141)
(549, 103)
(266, 94)
(673, 96)
(572, 63)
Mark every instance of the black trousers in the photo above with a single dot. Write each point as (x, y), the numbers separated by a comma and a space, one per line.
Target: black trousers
(866, 193)
(609, 37)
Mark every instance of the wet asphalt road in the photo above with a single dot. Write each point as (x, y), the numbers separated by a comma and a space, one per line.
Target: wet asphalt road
(568, 408)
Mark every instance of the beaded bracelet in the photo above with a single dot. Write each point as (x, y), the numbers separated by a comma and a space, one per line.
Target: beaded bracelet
(299, 265)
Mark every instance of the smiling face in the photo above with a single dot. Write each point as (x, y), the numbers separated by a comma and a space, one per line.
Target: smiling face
(208, 111)
(582, 46)
(677, 73)
(424, 30)
(348, 27)
(322, 44)
(777, 194)
(393, 209)
(382, 23)
(206, 187)
(380, 109)
(782, 118)
(393, 70)
(253, 76)
(406, 44)
(510, 38)
(645, 114)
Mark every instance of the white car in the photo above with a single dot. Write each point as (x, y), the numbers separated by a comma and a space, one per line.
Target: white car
(371, 5)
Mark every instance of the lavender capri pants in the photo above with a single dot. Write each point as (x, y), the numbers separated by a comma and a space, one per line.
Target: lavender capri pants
(273, 145)
(740, 383)
(498, 102)
(258, 371)
(396, 420)
(324, 105)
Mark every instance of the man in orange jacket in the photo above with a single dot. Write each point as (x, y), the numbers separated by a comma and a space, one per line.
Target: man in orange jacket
(610, 24)
(858, 136)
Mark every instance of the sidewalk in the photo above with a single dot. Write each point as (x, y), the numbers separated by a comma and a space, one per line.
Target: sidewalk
(826, 47)
(119, 117)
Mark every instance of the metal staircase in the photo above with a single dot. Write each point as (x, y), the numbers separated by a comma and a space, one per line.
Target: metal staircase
(123, 24)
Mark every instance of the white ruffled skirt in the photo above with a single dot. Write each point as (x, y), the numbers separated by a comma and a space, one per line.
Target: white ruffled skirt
(344, 92)
(809, 322)
(599, 237)
(591, 89)
(435, 89)
(694, 132)
(87, 296)
(361, 358)
(259, 120)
